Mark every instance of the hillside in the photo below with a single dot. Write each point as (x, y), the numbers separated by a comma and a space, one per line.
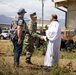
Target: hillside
(5, 19)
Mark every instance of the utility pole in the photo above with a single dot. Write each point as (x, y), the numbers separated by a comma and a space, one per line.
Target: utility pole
(42, 13)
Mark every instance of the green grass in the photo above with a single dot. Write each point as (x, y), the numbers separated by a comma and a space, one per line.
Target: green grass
(63, 54)
(68, 55)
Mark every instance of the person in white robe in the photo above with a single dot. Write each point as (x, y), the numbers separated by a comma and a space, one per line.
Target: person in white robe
(53, 34)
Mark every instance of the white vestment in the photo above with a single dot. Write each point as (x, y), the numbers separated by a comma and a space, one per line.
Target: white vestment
(53, 48)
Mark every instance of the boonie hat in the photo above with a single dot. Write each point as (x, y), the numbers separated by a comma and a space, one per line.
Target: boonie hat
(22, 10)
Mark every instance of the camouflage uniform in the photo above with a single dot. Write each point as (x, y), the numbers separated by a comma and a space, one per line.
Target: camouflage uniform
(30, 39)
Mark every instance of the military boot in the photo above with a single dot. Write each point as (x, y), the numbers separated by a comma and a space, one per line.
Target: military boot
(28, 61)
(16, 64)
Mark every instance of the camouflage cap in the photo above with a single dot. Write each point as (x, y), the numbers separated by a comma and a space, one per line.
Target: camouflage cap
(33, 14)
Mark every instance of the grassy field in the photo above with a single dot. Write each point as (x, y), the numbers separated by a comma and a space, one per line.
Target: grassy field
(67, 62)
(74, 38)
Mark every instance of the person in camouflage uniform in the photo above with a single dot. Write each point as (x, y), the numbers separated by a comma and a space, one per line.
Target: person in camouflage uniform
(31, 36)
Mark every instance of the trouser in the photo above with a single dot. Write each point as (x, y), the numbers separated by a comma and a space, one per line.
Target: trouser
(17, 50)
(30, 50)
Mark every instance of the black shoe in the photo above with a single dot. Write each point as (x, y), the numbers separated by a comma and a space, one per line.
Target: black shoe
(47, 69)
(28, 62)
(16, 65)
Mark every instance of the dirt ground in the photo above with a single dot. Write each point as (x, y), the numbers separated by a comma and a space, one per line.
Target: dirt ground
(36, 60)
(39, 61)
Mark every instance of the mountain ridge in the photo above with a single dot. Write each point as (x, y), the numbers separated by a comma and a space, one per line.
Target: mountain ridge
(7, 20)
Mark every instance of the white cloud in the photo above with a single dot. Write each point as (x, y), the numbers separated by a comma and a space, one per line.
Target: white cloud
(9, 7)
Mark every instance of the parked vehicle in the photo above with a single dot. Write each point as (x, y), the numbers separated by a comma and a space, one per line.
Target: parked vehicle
(0, 30)
(4, 34)
(11, 34)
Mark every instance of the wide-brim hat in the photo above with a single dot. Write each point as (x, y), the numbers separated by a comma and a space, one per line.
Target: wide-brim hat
(22, 10)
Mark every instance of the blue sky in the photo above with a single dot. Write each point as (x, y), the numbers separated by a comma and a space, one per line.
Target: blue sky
(10, 8)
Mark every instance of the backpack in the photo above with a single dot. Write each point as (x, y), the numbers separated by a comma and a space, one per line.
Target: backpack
(13, 29)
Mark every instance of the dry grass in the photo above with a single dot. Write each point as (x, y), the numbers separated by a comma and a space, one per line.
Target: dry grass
(6, 47)
(6, 62)
(74, 38)
(35, 69)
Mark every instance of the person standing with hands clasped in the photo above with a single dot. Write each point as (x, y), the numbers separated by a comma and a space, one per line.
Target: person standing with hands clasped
(53, 34)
